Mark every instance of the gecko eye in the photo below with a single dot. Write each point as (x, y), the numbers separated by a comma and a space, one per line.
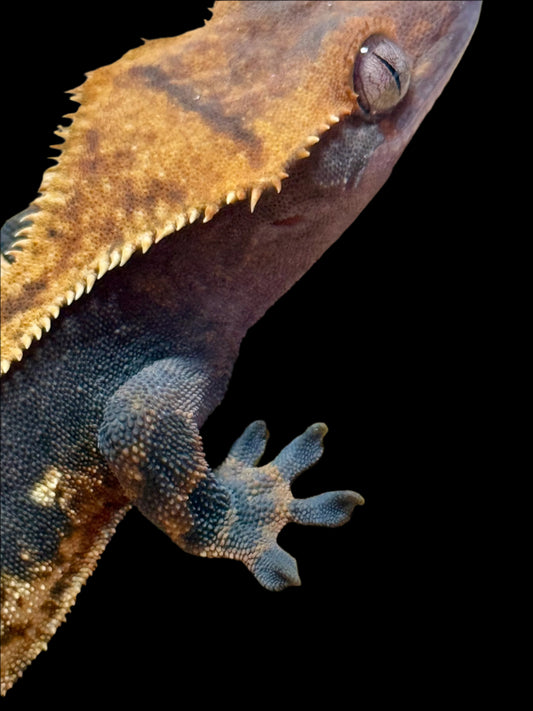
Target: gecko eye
(381, 75)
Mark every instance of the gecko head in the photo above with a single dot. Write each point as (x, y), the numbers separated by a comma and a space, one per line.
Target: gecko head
(397, 75)
(397, 58)
(182, 127)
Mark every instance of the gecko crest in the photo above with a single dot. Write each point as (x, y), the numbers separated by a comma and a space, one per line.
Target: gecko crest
(29, 237)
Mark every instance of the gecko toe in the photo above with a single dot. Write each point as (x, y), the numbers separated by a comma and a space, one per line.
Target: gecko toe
(333, 508)
(275, 569)
(304, 451)
(250, 446)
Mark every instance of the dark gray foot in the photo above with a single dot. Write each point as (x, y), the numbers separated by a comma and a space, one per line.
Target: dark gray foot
(262, 503)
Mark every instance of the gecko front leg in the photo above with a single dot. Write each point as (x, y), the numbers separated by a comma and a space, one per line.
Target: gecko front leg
(150, 437)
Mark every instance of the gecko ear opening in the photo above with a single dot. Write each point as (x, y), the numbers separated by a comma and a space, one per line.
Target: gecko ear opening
(381, 76)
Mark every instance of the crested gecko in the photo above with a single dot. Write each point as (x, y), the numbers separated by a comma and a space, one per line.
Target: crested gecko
(129, 283)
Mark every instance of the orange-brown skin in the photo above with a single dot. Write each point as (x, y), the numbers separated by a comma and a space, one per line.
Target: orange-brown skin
(169, 135)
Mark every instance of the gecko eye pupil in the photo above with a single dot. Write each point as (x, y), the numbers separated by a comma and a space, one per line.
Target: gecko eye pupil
(381, 76)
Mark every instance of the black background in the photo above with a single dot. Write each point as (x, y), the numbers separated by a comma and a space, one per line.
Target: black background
(381, 340)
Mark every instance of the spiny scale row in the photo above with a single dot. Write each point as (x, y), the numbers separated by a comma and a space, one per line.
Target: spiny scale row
(144, 242)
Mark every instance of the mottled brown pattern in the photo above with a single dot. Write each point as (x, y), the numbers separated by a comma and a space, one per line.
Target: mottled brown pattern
(212, 112)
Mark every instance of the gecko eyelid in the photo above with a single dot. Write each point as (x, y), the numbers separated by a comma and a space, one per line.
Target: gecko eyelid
(381, 76)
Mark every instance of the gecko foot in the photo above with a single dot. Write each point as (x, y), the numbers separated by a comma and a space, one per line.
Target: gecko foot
(262, 502)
